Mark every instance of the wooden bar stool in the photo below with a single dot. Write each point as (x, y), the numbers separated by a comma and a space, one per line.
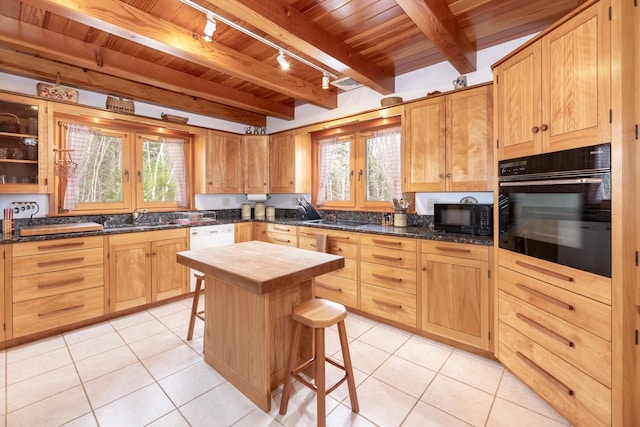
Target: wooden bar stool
(194, 307)
(318, 314)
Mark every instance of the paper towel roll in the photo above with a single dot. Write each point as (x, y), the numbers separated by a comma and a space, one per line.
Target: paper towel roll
(257, 197)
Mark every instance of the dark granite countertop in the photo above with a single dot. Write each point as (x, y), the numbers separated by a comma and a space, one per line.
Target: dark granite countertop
(363, 227)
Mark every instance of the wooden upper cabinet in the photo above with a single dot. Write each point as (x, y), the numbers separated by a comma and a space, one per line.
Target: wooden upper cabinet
(223, 170)
(469, 150)
(256, 163)
(425, 145)
(290, 163)
(449, 142)
(555, 93)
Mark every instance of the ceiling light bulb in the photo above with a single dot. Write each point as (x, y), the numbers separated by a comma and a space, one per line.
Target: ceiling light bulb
(283, 61)
(209, 28)
(325, 80)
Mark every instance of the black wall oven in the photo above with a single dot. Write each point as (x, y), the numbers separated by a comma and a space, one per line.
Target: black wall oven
(557, 207)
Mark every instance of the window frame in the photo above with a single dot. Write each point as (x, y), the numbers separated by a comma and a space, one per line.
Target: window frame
(131, 163)
(359, 133)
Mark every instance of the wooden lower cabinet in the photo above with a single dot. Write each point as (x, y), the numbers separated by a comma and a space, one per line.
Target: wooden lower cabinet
(143, 268)
(340, 285)
(286, 235)
(56, 283)
(242, 232)
(554, 333)
(455, 292)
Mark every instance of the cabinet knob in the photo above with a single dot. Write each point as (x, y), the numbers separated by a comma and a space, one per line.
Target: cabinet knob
(544, 127)
(448, 175)
(442, 175)
(535, 129)
(424, 268)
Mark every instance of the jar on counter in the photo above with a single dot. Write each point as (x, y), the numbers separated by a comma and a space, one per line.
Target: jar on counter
(259, 210)
(246, 211)
(271, 213)
(400, 218)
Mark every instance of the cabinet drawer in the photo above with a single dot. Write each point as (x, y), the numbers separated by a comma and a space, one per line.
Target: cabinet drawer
(349, 271)
(389, 242)
(577, 396)
(391, 257)
(588, 284)
(336, 247)
(280, 228)
(338, 289)
(461, 250)
(590, 315)
(586, 351)
(398, 279)
(58, 310)
(332, 235)
(392, 305)
(57, 282)
(282, 239)
(57, 245)
(34, 264)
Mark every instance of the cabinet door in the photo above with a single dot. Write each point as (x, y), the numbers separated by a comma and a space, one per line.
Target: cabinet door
(517, 86)
(243, 232)
(223, 163)
(470, 140)
(456, 299)
(260, 231)
(169, 277)
(130, 275)
(256, 163)
(576, 81)
(425, 146)
(290, 163)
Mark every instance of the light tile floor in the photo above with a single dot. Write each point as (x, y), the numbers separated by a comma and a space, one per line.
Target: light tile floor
(138, 370)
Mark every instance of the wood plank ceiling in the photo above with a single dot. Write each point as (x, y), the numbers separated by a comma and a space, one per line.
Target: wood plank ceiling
(153, 50)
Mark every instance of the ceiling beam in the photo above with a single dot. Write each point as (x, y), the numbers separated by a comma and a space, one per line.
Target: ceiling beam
(288, 26)
(436, 21)
(46, 69)
(118, 18)
(52, 45)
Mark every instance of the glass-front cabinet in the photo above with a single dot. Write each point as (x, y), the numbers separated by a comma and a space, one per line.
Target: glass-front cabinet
(22, 142)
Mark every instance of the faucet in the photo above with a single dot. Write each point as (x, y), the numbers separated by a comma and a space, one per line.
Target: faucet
(135, 215)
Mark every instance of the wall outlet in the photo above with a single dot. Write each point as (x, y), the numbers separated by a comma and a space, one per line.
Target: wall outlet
(430, 203)
(294, 201)
(24, 209)
(225, 201)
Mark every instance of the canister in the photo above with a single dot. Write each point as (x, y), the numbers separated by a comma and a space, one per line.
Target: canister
(400, 218)
(259, 210)
(271, 213)
(246, 211)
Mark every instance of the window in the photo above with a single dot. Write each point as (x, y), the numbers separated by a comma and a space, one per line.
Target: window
(360, 167)
(116, 168)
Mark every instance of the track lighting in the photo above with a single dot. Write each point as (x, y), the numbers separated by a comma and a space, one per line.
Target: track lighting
(209, 28)
(282, 61)
(325, 80)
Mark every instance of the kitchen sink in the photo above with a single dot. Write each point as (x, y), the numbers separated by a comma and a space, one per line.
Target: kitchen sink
(336, 223)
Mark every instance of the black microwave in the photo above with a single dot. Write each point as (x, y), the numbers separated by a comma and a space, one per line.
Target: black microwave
(463, 218)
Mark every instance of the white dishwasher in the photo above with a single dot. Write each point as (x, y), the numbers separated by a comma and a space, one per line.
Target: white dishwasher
(209, 236)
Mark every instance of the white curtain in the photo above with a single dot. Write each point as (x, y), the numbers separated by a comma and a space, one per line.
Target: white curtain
(175, 156)
(388, 142)
(326, 154)
(78, 140)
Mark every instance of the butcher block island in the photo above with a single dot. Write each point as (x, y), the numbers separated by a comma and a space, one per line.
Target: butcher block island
(250, 291)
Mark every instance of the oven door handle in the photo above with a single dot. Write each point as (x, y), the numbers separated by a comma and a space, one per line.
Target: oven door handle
(552, 182)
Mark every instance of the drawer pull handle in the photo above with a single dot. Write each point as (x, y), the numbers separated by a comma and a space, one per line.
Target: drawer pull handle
(545, 330)
(60, 246)
(382, 276)
(60, 262)
(60, 310)
(331, 288)
(387, 304)
(281, 229)
(387, 257)
(386, 242)
(277, 239)
(545, 297)
(544, 373)
(306, 233)
(449, 249)
(545, 271)
(338, 236)
(60, 283)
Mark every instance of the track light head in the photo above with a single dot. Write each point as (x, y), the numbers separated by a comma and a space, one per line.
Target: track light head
(209, 28)
(325, 80)
(283, 61)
